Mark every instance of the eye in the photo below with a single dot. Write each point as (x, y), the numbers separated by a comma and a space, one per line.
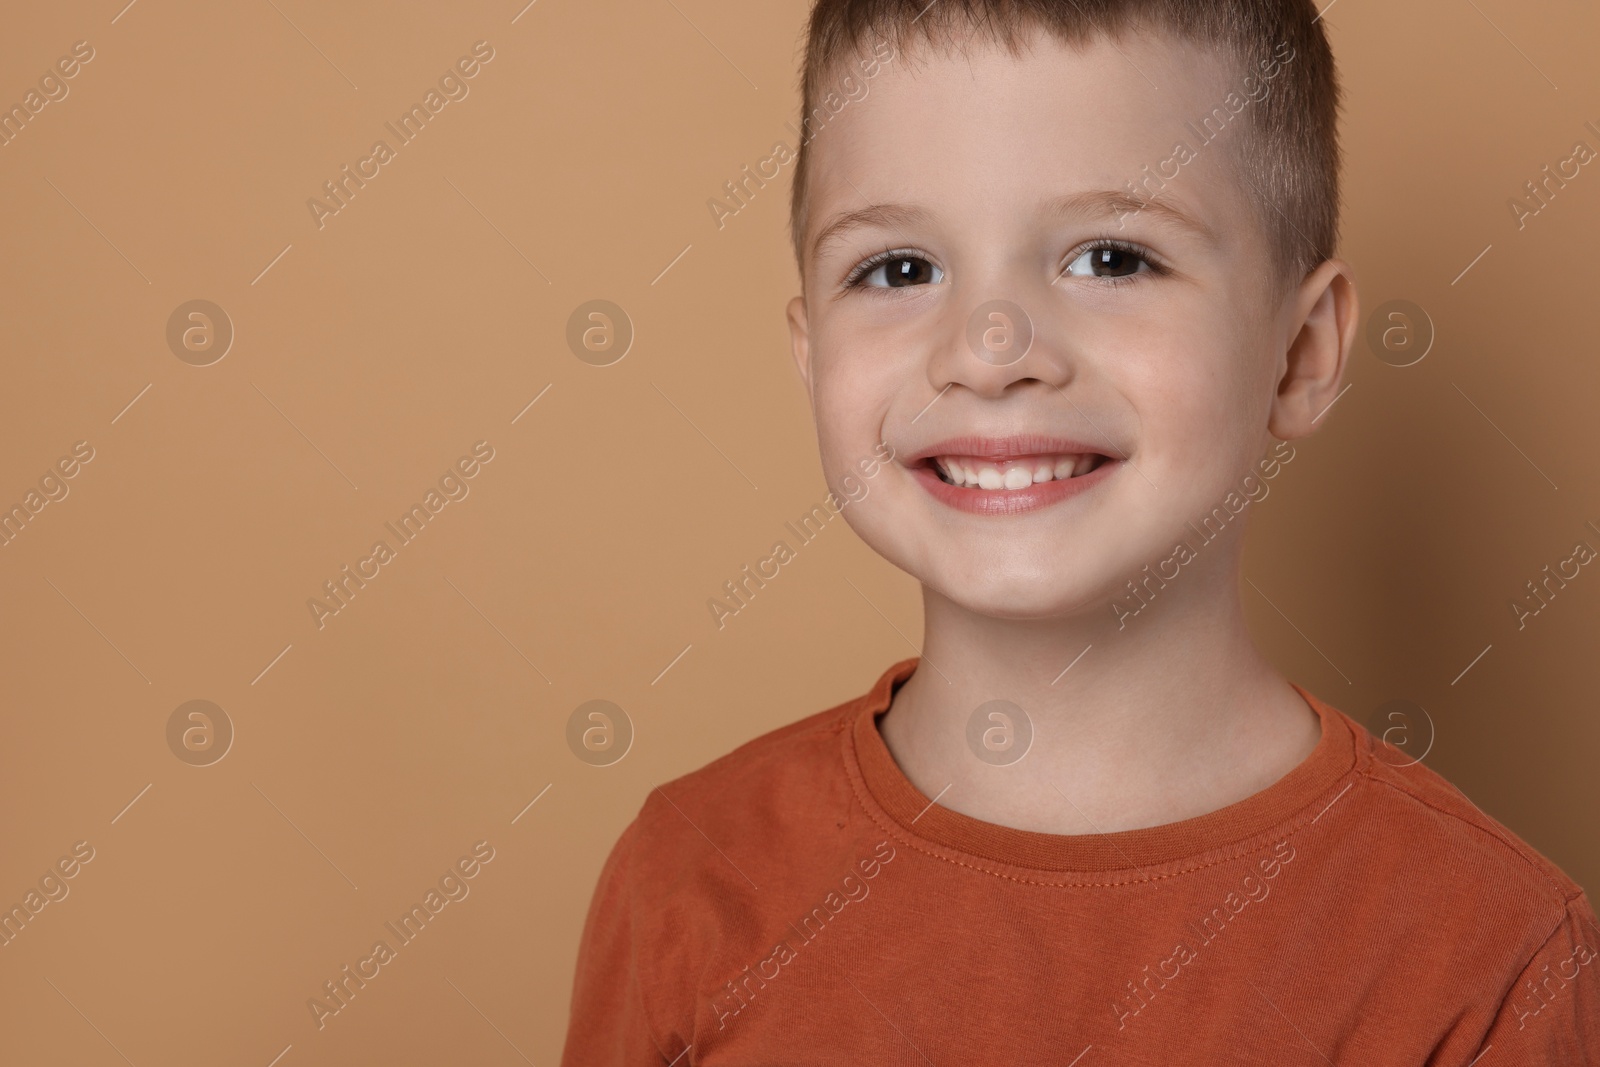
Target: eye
(1111, 260)
(894, 270)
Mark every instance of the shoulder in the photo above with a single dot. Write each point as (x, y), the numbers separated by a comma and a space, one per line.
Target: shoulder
(684, 882)
(680, 897)
(765, 808)
(1446, 888)
(1424, 850)
(783, 758)
(1435, 821)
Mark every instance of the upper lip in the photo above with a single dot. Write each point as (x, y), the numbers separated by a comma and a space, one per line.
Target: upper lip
(1000, 449)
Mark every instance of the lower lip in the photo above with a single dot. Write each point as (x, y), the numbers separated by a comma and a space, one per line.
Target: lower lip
(1011, 501)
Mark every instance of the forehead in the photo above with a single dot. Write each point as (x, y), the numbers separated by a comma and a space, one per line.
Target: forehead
(994, 133)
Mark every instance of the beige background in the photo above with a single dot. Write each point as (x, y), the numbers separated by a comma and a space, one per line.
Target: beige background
(424, 717)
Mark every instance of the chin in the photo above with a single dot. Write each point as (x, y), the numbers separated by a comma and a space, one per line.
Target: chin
(1022, 595)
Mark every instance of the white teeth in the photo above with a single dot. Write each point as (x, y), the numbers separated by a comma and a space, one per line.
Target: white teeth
(970, 474)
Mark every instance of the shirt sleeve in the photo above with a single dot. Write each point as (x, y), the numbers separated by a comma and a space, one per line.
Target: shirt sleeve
(608, 1026)
(1551, 1016)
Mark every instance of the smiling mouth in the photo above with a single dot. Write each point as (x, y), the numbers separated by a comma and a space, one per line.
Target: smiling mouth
(1018, 472)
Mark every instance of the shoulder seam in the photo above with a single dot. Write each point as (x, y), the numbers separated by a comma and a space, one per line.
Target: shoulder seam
(818, 723)
(1487, 828)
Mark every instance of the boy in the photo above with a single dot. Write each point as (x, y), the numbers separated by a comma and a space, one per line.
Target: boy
(1072, 261)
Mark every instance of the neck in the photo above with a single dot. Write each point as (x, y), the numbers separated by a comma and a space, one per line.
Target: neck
(1137, 721)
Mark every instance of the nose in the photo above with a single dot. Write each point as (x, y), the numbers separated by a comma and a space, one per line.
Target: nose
(1010, 334)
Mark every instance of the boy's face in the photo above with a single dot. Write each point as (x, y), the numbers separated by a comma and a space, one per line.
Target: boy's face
(1157, 344)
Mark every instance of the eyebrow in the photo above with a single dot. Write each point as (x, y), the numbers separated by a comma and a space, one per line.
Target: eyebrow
(1101, 203)
(892, 216)
(1109, 203)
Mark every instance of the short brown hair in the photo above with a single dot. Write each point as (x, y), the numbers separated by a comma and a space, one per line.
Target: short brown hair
(1289, 147)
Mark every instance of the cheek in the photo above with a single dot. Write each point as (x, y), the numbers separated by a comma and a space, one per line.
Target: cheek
(1195, 384)
(856, 379)
(1194, 379)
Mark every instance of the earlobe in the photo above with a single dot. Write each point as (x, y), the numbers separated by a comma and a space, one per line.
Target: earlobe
(1327, 309)
(800, 340)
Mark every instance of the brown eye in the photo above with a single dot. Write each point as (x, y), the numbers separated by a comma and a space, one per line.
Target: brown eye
(896, 272)
(1114, 262)
(1108, 261)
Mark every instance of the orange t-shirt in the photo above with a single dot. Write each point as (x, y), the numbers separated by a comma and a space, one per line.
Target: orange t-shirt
(799, 901)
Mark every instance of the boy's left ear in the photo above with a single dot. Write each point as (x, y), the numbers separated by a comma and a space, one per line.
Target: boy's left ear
(800, 342)
(1324, 311)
